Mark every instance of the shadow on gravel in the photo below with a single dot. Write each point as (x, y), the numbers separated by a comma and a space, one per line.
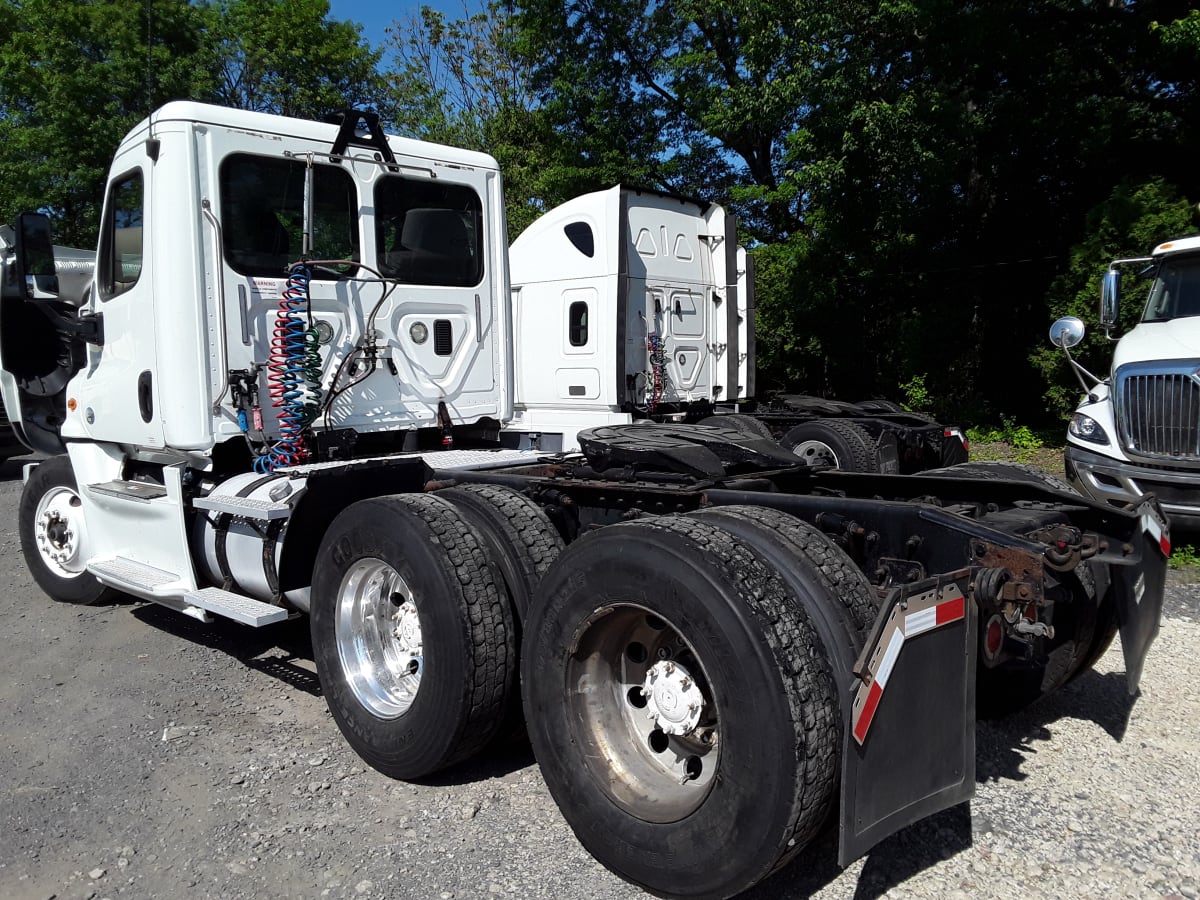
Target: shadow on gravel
(278, 651)
(1001, 748)
(893, 861)
(250, 646)
(1003, 745)
(495, 762)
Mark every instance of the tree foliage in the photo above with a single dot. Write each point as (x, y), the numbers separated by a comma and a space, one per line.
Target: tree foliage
(76, 75)
(465, 82)
(288, 57)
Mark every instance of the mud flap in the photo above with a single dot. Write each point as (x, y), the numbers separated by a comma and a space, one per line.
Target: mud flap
(1139, 591)
(909, 750)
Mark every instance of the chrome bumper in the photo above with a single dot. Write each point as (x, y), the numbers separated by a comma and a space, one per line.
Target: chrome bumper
(1119, 483)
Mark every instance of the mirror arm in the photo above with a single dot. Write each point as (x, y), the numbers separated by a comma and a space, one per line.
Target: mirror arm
(1080, 371)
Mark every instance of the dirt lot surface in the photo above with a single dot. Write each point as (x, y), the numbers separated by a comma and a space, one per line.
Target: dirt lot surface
(146, 755)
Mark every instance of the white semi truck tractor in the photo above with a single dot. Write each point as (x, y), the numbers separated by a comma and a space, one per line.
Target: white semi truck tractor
(280, 392)
(1137, 431)
(636, 306)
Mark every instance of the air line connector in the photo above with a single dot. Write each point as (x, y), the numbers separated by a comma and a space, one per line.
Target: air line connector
(446, 425)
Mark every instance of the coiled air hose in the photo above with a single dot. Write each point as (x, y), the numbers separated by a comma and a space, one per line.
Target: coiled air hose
(294, 373)
(658, 369)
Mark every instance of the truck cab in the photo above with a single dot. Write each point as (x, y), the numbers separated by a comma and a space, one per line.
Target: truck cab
(206, 208)
(628, 304)
(1138, 431)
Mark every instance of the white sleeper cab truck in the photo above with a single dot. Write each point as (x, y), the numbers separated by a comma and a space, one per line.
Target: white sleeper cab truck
(632, 305)
(1138, 431)
(280, 389)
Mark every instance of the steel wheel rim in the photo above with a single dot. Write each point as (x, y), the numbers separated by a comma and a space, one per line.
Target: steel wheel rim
(378, 633)
(655, 776)
(60, 532)
(815, 453)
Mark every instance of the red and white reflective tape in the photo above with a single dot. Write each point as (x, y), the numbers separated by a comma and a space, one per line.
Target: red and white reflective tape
(907, 626)
(1157, 533)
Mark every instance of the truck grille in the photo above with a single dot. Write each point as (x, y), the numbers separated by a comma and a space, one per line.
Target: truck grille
(1159, 413)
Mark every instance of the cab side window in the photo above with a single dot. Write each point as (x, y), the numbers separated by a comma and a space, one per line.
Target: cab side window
(121, 250)
(429, 232)
(262, 211)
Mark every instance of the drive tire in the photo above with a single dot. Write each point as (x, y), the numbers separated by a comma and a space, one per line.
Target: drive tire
(419, 549)
(823, 567)
(843, 445)
(51, 491)
(521, 539)
(767, 780)
(522, 543)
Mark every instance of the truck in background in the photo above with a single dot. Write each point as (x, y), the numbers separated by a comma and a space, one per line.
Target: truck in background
(259, 405)
(1137, 432)
(632, 305)
(73, 270)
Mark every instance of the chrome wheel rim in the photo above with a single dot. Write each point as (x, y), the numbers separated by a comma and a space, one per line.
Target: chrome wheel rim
(60, 532)
(815, 453)
(642, 713)
(378, 632)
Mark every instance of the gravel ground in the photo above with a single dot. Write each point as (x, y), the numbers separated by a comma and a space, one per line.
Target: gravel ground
(146, 755)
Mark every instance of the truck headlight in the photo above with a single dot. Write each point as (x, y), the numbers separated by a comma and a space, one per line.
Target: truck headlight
(1087, 429)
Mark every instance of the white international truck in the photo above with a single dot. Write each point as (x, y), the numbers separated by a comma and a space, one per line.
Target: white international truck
(1137, 432)
(631, 305)
(279, 392)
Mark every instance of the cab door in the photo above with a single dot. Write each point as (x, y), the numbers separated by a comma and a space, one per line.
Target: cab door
(115, 394)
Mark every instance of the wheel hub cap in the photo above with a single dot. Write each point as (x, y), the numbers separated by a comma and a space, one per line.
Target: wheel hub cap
(815, 453)
(379, 641)
(673, 700)
(58, 531)
(408, 635)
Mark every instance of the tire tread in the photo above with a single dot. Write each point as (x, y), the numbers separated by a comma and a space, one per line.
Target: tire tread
(807, 680)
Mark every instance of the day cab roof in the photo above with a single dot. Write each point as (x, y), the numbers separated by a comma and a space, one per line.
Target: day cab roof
(267, 124)
(1179, 245)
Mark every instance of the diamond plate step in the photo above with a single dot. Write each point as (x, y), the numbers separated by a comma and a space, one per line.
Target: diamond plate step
(234, 606)
(134, 577)
(245, 507)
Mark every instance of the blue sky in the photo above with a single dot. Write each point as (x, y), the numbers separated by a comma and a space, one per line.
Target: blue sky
(376, 15)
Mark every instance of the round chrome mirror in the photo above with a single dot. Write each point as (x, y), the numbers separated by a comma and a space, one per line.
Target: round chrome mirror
(1066, 332)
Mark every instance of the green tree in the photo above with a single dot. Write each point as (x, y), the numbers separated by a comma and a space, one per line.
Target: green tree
(288, 57)
(74, 77)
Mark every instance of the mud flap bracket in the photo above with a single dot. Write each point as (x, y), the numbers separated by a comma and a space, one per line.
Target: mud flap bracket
(909, 749)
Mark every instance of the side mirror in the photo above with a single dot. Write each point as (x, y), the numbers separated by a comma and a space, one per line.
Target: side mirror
(1066, 332)
(1110, 298)
(35, 256)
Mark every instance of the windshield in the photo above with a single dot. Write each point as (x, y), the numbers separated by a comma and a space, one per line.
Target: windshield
(1175, 293)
